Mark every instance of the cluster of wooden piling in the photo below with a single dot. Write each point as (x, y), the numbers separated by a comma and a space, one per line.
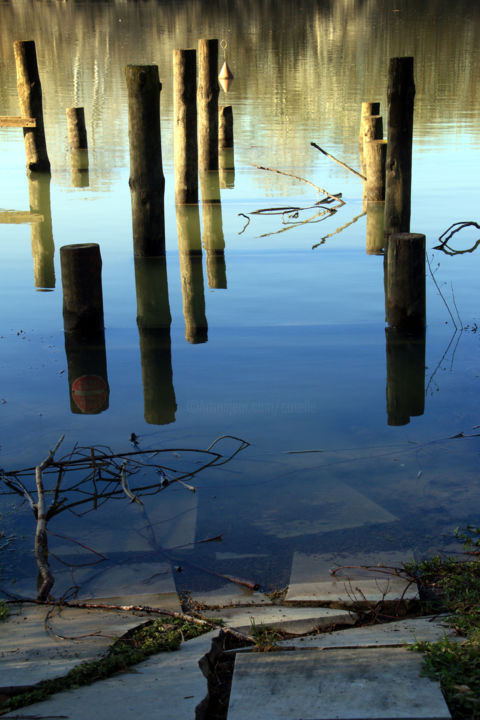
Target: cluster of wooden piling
(387, 193)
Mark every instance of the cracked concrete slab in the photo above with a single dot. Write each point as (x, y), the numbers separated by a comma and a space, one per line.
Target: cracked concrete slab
(168, 685)
(230, 595)
(372, 684)
(293, 620)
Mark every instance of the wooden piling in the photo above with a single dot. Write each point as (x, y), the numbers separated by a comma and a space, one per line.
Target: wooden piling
(81, 267)
(191, 273)
(147, 182)
(368, 109)
(401, 94)
(31, 105)
(185, 126)
(77, 131)
(375, 158)
(207, 96)
(405, 281)
(225, 127)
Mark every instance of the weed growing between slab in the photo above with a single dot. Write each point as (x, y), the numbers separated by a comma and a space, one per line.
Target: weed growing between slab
(164, 634)
(4, 610)
(454, 586)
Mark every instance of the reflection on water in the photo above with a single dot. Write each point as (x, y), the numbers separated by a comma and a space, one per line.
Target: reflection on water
(405, 376)
(43, 247)
(87, 373)
(191, 271)
(213, 239)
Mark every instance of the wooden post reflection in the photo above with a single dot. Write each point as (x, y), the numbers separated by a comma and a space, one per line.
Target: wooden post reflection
(213, 240)
(405, 375)
(375, 236)
(87, 372)
(226, 155)
(153, 321)
(191, 273)
(43, 248)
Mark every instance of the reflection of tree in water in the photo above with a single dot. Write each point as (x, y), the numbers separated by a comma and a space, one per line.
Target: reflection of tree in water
(89, 477)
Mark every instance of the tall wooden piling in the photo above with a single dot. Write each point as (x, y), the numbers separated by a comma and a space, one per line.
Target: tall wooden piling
(375, 158)
(185, 126)
(31, 105)
(368, 109)
(207, 95)
(147, 182)
(81, 267)
(405, 281)
(77, 140)
(401, 94)
(77, 131)
(225, 127)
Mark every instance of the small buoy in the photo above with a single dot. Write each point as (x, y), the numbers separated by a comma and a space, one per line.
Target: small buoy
(225, 83)
(225, 73)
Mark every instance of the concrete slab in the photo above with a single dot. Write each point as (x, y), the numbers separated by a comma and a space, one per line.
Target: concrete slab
(230, 595)
(34, 649)
(402, 632)
(312, 582)
(331, 684)
(167, 685)
(292, 620)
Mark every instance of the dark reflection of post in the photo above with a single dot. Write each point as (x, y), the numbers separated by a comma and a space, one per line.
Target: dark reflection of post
(154, 320)
(87, 372)
(226, 167)
(405, 375)
(375, 237)
(191, 272)
(213, 240)
(43, 248)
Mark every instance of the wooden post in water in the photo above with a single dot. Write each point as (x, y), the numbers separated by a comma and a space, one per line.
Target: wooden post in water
(31, 106)
(226, 160)
(405, 281)
(375, 157)
(368, 109)
(207, 95)
(147, 182)
(81, 267)
(401, 94)
(77, 140)
(185, 126)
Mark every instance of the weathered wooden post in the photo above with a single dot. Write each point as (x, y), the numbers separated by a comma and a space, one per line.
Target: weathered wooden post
(226, 158)
(213, 238)
(185, 126)
(81, 267)
(207, 95)
(191, 273)
(405, 375)
(153, 321)
(368, 109)
(31, 106)
(43, 247)
(77, 140)
(375, 157)
(147, 182)
(405, 281)
(87, 372)
(401, 94)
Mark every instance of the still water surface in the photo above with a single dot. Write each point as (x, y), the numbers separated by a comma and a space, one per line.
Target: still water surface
(295, 356)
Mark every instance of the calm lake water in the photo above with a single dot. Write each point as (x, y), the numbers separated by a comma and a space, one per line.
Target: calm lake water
(296, 356)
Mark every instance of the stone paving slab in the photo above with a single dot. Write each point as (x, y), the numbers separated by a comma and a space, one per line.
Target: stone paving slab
(31, 651)
(167, 686)
(311, 580)
(293, 620)
(373, 684)
(230, 595)
(401, 632)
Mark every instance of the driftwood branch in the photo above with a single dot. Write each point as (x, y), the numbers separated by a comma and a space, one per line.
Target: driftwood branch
(296, 177)
(344, 165)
